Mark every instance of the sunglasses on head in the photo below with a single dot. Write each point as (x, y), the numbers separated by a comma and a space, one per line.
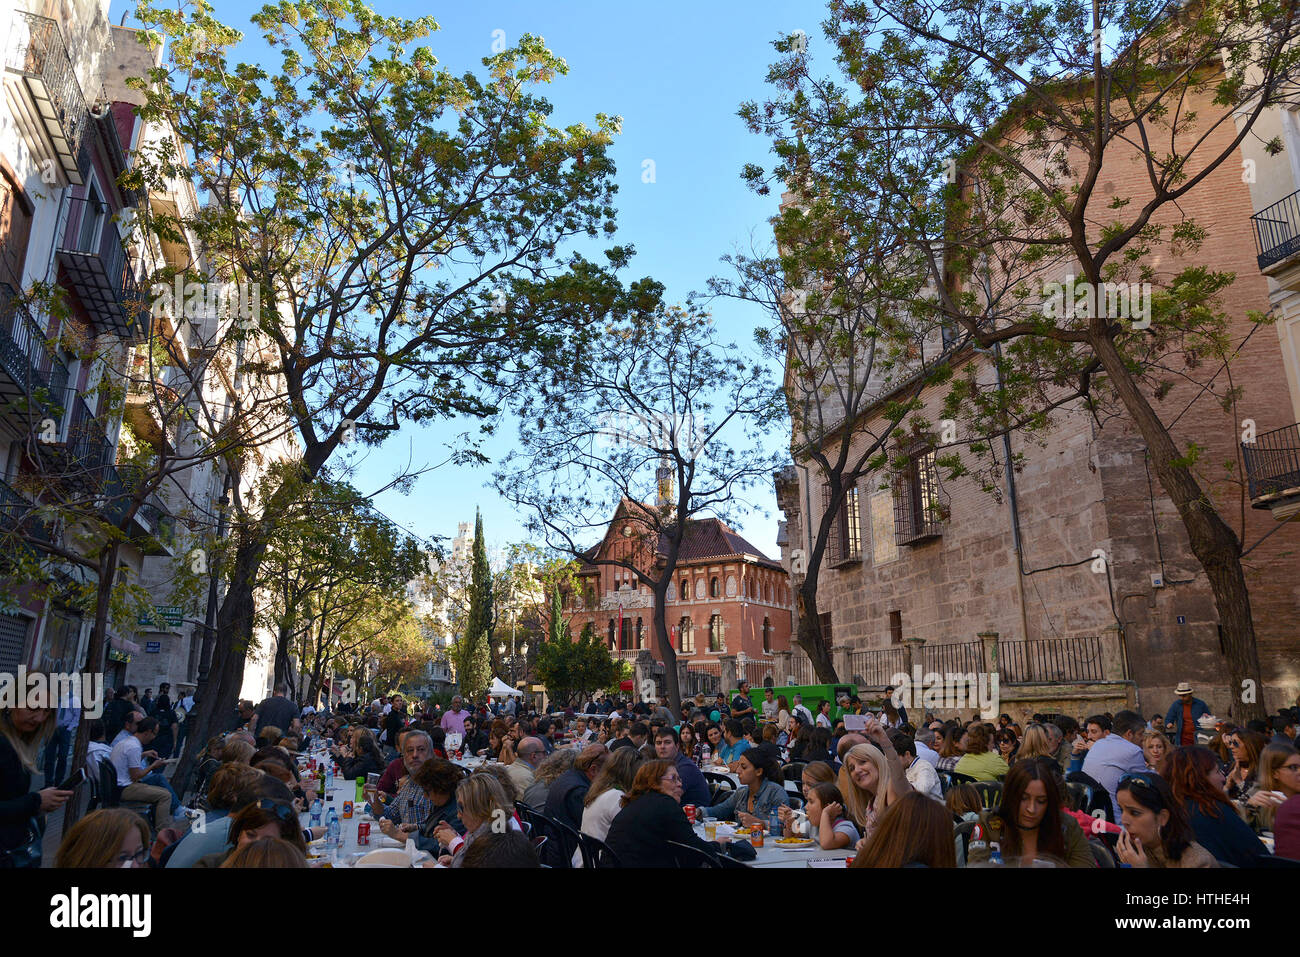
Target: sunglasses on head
(284, 812)
(1141, 779)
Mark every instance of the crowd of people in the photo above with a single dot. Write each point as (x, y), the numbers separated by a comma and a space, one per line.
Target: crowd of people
(1174, 790)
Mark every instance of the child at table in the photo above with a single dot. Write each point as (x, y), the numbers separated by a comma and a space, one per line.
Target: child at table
(825, 809)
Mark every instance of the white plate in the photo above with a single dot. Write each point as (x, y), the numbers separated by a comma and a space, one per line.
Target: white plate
(801, 846)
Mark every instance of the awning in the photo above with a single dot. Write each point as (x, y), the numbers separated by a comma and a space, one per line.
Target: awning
(500, 688)
(121, 644)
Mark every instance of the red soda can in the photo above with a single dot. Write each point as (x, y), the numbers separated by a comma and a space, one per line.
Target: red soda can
(363, 834)
(690, 812)
(347, 808)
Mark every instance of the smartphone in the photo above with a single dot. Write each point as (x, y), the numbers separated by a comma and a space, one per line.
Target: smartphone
(77, 777)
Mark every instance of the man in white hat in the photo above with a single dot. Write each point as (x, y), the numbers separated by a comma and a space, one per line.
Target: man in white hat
(1183, 715)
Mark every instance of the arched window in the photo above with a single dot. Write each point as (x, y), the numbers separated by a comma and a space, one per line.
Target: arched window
(767, 635)
(686, 636)
(611, 634)
(715, 632)
(686, 590)
(714, 590)
(640, 636)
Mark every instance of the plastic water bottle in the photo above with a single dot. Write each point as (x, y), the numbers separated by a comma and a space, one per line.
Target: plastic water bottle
(774, 822)
(317, 808)
(332, 829)
(995, 855)
(329, 775)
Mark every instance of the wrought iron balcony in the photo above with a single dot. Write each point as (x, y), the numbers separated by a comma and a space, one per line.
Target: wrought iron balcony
(99, 269)
(1277, 231)
(30, 372)
(152, 528)
(17, 514)
(1273, 466)
(82, 452)
(36, 52)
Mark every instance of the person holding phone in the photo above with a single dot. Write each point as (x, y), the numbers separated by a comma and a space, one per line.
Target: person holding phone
(23, 731)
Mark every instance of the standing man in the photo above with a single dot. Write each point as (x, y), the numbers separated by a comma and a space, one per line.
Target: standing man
(56, 750)
(453, 722)
(276, 711)
(1115, 753)
(741, 706)
(184, 708)
(147, 702)
(166, 716)
(1182, 717)
(395, 721)
(800, 708)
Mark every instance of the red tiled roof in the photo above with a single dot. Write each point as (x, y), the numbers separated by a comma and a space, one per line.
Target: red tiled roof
(705, 539)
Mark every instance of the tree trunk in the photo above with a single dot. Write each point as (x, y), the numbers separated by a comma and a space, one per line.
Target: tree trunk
(810, 637)
(671, 685)
(234, 634)
(1213, 542)
(95, 651)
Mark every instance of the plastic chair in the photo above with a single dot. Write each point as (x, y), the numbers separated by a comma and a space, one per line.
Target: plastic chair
(1102, 854)
(596, 853)
(686, 856)
(990, 794)
(1100, 798)
(1079, 794)
(718, 785)
(727, 862)
(794, 770)
(111, 795)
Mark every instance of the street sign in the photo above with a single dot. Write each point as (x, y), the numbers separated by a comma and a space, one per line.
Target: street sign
(1182, 619)
(164, 615)
(152, 647)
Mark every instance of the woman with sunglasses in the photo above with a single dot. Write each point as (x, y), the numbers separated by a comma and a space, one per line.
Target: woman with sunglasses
(1156, 830)
(263, 818)
(1196, 782)
(1279, 781)
(1007, 744)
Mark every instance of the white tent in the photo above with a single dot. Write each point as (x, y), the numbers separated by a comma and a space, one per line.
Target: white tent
(500, 688)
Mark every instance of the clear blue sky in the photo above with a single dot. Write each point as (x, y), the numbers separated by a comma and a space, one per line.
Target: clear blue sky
(676, 72)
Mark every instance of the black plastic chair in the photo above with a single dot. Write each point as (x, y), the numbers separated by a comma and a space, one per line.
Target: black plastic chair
(596, 853)
(947, 779)
(1100, 797)
(566, 839)
(1079, 794)
(794, 770)
(686, 856)
(963, 830)
(111, 796)
(718, 785)
(727, 862)
(1103, 854)
(1268, 860)
(990, 794)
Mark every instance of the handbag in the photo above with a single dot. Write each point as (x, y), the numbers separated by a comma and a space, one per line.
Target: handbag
(27, 854)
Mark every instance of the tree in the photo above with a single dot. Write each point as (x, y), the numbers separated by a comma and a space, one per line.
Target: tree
(470, 654)
(572, 670)
(404, 228)
(658, 408)
(1025, 108)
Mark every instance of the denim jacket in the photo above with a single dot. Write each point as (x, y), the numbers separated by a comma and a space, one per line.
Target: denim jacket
(770, 795)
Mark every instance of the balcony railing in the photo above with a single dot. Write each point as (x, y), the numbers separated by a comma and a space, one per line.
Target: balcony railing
(1272, 463)
(1277, 231)
(83, 451)
(1051, 660)
(35, 50)
(99, 268)
(16, 515)
(27, 364)
(152, 527)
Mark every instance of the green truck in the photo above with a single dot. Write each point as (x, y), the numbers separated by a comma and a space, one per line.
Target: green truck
(813, 696)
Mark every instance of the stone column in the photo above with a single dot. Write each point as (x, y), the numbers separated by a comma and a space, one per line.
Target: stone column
(840, 661)
(727, 668)
(1112, 654)
(781, 665)
(911, 653)
(642, 671)
(990, 639)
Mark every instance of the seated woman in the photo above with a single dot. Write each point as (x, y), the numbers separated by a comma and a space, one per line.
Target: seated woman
(1007, 745)
(1279, 781)
(497, 734)
(264, 818)
(914, 831)
(1156, 830)
(365, 758)
(978, 761)
(871, 779)
(950, 751)
(109, 837)
(482, 805)
(438, 779)
(1242, 780)
(1155, 746)
(1029, 823)
(1196, 782)
(761, 790)
(650, 817)
(826, 821)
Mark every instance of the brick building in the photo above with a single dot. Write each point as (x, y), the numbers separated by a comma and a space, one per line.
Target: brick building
(923, 560)
(727, 598)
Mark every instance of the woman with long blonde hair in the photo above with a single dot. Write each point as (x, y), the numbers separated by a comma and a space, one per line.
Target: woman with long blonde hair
(1036, 743)
(23, 732)
(109, 837)
(871, 779)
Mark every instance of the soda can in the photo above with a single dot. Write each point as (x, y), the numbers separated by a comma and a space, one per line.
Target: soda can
(363, 834)
(756, 835)
(690, 812)
(347, 808)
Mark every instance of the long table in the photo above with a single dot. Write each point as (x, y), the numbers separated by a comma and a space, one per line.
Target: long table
(772, 855)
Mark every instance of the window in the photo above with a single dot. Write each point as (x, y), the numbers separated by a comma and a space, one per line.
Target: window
(714, 590)
(686, 636)
(686, 590)
(625, 635)
(640, 636)
(15, 229)
(93, 213)
(845, 542)
(895, 627)
(919, 509)
(715, 633)
(825, 619)
(767, 635)
(611, 633)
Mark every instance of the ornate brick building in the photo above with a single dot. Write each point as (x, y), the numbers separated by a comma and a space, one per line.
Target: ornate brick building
(726, 598)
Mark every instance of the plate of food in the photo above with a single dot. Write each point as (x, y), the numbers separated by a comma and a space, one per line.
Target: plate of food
(792, 843)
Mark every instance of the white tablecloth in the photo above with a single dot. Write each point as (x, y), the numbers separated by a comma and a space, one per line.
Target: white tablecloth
(771, 855)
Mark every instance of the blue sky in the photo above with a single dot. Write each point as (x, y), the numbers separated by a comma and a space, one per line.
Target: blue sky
(676, 73)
